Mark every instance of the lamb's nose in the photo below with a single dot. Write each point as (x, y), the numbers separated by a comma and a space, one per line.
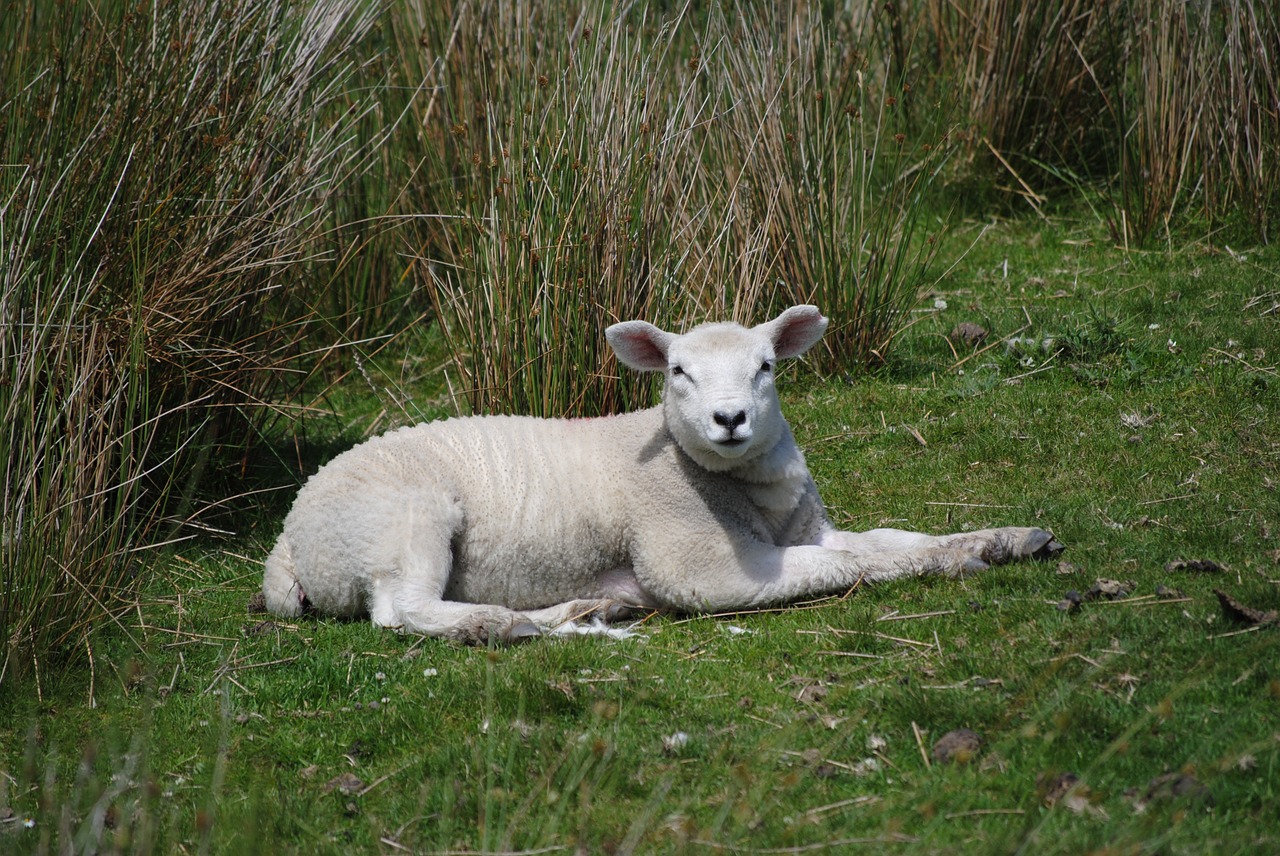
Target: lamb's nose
(730, 421)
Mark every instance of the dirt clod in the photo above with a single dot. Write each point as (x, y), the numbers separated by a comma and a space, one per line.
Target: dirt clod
(1110, 589)
(344, 783)
(1052, 788)
(1198, 566)
(1237, 611)
(257, 603)
(968, 333)
(1172, 786)
(957, 747)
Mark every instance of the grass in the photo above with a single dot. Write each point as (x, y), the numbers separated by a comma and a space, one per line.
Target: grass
(199, 203)
(203, 205)
(1144, 432)
(162, 183)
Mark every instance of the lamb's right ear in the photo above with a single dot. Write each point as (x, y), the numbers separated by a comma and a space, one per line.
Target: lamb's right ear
(796, 330)
(640, 345)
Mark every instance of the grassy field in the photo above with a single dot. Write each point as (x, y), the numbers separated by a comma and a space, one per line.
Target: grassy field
(1128, 401)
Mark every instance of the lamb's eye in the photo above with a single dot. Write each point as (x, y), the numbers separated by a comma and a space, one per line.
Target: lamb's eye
(676, 370)
(766, 367)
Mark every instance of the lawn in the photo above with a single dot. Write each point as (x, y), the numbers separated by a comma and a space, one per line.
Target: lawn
(1128, 401)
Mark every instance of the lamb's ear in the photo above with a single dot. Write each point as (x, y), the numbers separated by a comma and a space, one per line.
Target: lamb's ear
(795, 331)
(640, 345)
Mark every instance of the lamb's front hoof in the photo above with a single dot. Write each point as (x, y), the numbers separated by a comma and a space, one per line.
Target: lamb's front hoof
(520, 632)
(1040, 544)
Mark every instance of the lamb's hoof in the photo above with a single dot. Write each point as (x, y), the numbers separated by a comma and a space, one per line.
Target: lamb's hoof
(1041, 544)
(520, 632)
(973, 565)
(619, 612)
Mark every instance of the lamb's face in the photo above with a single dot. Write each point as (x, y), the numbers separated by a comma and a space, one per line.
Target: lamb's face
(720, 400)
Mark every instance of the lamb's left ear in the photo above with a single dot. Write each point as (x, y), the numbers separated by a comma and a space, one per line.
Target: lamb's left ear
(795, 331)
(640, 345)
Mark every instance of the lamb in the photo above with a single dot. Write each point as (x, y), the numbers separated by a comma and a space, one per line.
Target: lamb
(499, 528)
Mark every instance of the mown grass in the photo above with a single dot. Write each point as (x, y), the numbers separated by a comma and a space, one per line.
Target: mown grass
(1145, 432)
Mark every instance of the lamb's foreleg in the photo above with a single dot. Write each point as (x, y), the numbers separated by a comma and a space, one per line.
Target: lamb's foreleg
(702, 578)
(994, 546)
(1007, 544)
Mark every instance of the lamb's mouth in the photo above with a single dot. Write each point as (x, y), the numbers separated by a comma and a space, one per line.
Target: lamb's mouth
(731, 442)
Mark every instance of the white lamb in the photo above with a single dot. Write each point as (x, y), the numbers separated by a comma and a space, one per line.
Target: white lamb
(499, 527)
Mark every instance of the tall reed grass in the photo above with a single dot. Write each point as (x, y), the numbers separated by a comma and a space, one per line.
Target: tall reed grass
(552, 142)
(1029, 78)
(592, 166)
(163, 177)
(1198, 119)
(1172, 108)
(834, 173)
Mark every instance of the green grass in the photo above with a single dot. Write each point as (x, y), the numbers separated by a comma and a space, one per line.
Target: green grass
(1148, 431)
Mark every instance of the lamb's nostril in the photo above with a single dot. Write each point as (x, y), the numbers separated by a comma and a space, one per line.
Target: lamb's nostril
(730, 421)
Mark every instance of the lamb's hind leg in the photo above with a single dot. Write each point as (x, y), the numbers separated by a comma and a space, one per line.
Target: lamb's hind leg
(472, 623)
(417, 553)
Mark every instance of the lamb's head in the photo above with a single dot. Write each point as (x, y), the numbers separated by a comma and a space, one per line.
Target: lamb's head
(719, 399)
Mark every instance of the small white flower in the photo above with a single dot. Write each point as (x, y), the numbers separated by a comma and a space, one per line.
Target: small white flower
(939, 304)
(429, 673)
(29, 823)
(380, 677)
(673, 744)
(1153, 326)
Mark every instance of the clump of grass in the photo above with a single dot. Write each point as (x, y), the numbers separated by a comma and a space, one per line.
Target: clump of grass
(1241, 140)
(1163, 114)
(1171, 106)
(163, 176)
